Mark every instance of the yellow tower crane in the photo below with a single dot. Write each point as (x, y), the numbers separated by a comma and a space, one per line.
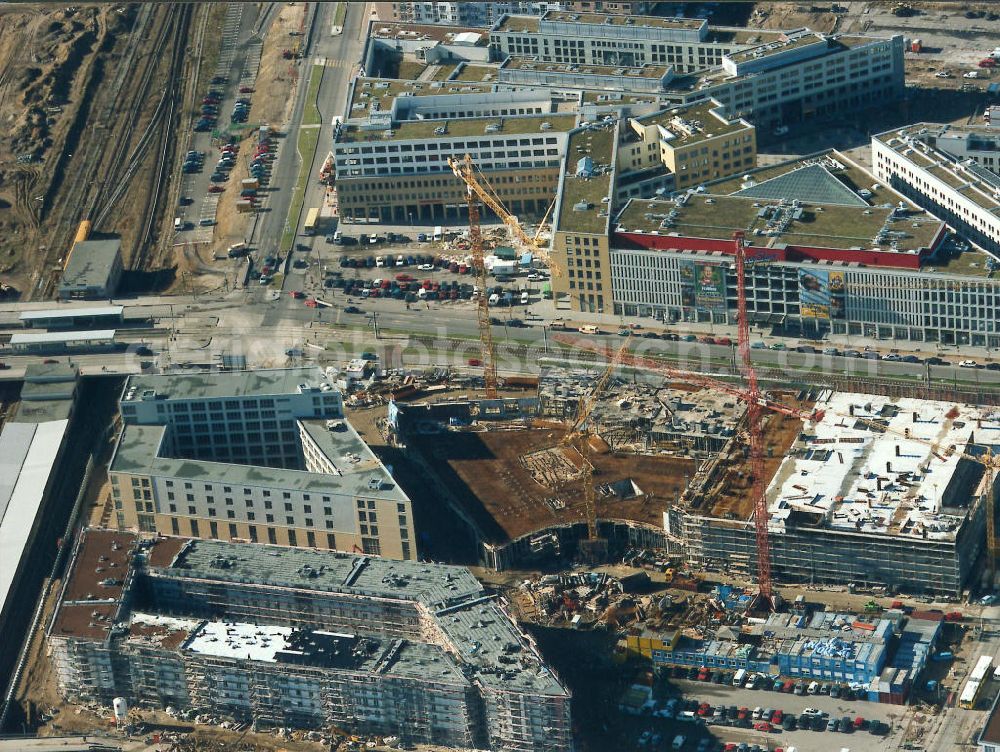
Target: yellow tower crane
(595, 546)
(479, 190)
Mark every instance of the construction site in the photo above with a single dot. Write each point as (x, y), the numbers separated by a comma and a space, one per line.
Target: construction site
(205, 628)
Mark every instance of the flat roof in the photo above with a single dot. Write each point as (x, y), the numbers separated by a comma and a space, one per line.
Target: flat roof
(368, 91)
(991, 731)
(41, 338)
(915, 143)
(579, 69)
(694, 123)
(485, 127)
(358, 473)
(478, 631)
(94, 586)
(582, 197)
(908, 480)
(90, 263)
(66, 312)
(770, 224)
(776, 47)
(412, 32)
(258, 383)
(518, 24)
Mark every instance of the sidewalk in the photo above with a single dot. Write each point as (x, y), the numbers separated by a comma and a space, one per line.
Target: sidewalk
(611, 323)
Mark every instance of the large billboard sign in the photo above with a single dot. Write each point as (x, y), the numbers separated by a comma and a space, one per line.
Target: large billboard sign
(703, 286)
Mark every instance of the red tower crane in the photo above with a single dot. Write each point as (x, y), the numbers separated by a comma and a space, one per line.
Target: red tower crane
(753, 399)
(757, 402)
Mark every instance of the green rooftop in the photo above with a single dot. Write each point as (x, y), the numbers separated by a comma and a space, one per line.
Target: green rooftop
(577, 191)
(821, 226)
(477, 74)
(629, 71)
(694, 122)
(462, 128)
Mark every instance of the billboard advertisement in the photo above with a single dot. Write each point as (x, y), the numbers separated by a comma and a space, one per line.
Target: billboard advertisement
(821, 294)
(703, 286)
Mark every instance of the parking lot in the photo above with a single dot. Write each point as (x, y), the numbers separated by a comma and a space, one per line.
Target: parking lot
(723, 717)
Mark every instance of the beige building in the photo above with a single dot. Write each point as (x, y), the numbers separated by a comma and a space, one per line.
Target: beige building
(263, 456)
(696, 143)
(679, 148)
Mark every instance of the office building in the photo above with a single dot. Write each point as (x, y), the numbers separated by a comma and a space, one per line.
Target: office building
(487, 13)
(767, 77)
(306, 639)
(946, 173)
(254, 455)
(392, 165)
(612, 160)
(93, 270)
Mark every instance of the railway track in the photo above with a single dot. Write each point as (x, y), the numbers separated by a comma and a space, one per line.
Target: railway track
(173, 97)
(103, 167)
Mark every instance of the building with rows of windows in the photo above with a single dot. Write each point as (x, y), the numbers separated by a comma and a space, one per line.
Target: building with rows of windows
(257, 456)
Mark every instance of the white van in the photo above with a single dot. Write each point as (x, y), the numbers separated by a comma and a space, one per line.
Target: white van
(813, 687)
(178, 223)
(494, 299)
(379, 261)
(589, 329)
(739, 677)
(678, 742)
(438, 233)
(524, 298)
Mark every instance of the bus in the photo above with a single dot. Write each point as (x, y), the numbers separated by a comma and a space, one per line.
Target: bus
(970, 694)
(982, 668)
(312, 218)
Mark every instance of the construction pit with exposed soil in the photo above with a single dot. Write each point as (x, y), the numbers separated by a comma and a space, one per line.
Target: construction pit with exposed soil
(520, 485)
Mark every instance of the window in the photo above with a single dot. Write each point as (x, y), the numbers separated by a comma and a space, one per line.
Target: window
(371, 546)
(288, 507)
(291, 538)
(331, 540)
(311, 539)
(272, 536)
(213, 529)
(174, 527)
(253, 533)
(194, 529)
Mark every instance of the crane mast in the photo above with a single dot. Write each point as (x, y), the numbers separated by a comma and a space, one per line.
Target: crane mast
(756, 448)
(482, 305)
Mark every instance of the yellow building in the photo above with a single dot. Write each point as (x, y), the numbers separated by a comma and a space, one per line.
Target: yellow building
(683, 146)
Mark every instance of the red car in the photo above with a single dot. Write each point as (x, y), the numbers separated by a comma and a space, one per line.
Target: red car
(776, 718)
(763, 726)
(723, 341)
(215, 189)
(297, 294)
(246, 90)
(475, 362)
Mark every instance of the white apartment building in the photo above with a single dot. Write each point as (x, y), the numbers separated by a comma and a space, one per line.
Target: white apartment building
(460, 13)
(956, 190)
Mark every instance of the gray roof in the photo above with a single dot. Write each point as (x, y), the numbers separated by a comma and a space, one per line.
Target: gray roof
(812, 184)
(66, 312)
(435, 585)
(361, 472)
(90, 263)
(226, 384)
(43, 411)
(50, 372)
(482, 636)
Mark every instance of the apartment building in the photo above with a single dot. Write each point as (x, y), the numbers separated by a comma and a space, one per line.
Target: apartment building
(258, 456)
(978, 142)
(301, 638)
(925, 162)
(392, 166)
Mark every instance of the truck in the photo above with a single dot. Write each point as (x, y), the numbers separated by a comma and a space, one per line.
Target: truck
(438, 233)
(249, 183)
(501, 268)
(244, 207)
(312, 219)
